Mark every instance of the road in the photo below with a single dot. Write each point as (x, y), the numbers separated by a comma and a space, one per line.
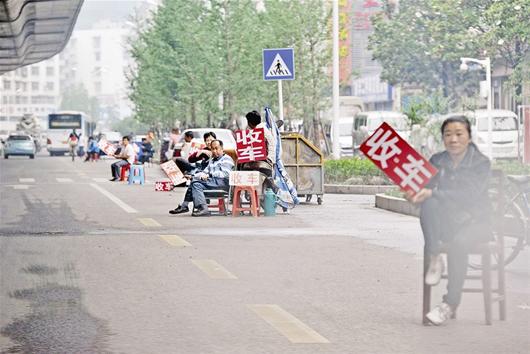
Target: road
(92, 266)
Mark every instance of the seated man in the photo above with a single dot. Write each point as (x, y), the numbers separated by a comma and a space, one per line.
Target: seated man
(126, 156)
(265, 166)
(214, 176)
(147, 150)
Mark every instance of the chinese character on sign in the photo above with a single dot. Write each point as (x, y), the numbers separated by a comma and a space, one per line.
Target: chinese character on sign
(251, 145)
(397, 159)
(107, 147)
(163, 186)
(173, 172)
(244, 178)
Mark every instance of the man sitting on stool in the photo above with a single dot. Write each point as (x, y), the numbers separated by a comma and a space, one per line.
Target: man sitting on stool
(126, 157)
(214, 176)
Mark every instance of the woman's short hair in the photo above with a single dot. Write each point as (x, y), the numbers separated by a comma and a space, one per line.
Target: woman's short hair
(457, 119)
(206, 135)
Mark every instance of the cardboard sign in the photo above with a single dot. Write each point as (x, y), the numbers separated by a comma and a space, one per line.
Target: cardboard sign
(173, 172)
(397, 159)
(163, 186)
(107, 147)
(244, 178)
(251, 145)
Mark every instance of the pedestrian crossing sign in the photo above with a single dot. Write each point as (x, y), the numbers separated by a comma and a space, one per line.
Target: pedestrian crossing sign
(278, 64)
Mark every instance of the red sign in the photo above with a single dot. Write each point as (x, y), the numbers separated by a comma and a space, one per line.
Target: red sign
(397, 159)
(251, 145)
(163, 186)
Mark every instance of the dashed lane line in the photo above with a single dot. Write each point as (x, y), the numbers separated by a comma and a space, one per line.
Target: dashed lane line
(26, 180)
(114, 199)
(175, 241)
(100, 180)
(20, 186)
(288, 325)
(213, 269)
(149, 222)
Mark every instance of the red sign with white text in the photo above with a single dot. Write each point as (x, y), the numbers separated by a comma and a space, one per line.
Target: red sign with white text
(397, 159)
(251, 145)
(163, 186)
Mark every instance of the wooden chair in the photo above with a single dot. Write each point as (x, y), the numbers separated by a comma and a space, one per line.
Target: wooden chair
(486, 251)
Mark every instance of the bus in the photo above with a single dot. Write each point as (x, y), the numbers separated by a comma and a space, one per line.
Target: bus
(61, 124)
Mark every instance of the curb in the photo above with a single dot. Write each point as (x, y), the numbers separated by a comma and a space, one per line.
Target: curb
(355, 189)
(395, 204)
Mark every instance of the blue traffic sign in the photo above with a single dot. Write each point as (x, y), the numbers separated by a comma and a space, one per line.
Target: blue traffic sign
(278, 64)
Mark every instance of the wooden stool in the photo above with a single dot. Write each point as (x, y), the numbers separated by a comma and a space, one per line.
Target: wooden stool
(123, 172)
(254, 201)
(486, 250)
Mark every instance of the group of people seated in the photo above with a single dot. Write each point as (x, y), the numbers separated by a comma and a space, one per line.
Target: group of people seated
(129, 154)
(209, 168)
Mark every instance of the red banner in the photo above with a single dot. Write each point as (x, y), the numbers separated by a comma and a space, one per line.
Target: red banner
(397, 159)
(251, 145)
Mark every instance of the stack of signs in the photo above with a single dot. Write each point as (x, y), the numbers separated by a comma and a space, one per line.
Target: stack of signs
(397, 159)
(108, 148)
(173, 172)
(251, 145)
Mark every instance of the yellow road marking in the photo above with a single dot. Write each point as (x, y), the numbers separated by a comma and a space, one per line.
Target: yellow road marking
(288, 325)
(213, 269)
(149, 222)
(26, 180)
(175, 240)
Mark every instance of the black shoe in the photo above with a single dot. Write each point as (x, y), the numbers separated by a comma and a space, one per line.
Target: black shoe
(113, 179)
(179, 210)
(201, 212)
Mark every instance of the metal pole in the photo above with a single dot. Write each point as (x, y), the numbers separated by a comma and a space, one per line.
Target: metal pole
(487, 63)
(280, 100)
(335, 123)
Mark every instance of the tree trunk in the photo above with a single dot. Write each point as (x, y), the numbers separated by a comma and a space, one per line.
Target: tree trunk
(193, 113)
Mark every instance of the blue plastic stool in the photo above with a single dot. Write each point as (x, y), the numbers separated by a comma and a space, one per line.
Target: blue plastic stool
(136, 174)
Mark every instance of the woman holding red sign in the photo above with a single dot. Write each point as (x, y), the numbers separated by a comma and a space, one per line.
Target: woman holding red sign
(455, 210)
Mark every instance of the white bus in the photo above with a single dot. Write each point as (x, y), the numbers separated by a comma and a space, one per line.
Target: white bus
(61, 124)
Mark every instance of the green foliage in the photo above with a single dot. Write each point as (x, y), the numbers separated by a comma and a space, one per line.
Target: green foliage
(128, 125)
(199, 62)
(76, 98)
(340, 171)
(511, 167)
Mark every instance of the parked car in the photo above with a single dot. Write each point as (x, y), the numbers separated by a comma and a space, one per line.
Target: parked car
(365, 123)
(19, 144)
(225, 135)
(506, 138)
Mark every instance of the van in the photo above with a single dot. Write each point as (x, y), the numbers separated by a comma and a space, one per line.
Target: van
(505, 132)
(365, 123)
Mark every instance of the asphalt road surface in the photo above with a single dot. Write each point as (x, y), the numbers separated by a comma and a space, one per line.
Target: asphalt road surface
(92, 266)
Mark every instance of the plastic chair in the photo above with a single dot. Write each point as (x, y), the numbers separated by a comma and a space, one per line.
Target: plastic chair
(254, 200)
(123, 172)
(136, 174)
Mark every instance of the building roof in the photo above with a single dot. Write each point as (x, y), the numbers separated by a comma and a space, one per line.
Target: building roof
(32, 31)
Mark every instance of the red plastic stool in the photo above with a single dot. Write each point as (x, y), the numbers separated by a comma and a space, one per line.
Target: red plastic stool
(254, 200)
(123, 172)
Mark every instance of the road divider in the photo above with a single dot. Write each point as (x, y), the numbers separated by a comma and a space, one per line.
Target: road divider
(114, 199)
(26, 180)
(149, 222)
(175, 241)
(213, 269)
(288, 325)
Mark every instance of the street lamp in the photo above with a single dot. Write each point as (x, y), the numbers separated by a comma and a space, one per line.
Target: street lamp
(486, 64)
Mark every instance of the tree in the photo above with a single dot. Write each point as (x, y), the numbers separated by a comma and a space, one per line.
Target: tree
(76, 98)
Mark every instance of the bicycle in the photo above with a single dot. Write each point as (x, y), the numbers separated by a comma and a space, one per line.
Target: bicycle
(513, 220)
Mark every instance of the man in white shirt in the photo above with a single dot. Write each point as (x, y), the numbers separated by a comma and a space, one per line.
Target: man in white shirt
(126, 156)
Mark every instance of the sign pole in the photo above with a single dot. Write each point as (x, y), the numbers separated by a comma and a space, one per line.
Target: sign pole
(280, 99)
(335, 122)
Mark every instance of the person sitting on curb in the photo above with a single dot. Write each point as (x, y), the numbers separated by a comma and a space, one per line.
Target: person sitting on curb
(455, 210)
(214, 176)
(126, 156)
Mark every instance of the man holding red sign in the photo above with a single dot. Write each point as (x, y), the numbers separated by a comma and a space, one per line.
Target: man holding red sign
(455, 206)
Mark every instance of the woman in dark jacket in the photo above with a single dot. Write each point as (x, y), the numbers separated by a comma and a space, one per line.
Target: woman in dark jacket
(455, 210)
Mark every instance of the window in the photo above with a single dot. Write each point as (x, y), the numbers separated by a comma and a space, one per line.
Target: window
(7, 84)
(97, 55)
(97, 86)
(34, 71)
(97, 71)
(49, 71)
(49, 86)
(24, 71)
(34, 86)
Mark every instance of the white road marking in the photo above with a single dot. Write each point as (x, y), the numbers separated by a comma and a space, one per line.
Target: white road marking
(175, 240)
(288, 325)
(20, 186)
(26, 180)
(114, 199)
(64, 180)
(213, 269)
(100, 180)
